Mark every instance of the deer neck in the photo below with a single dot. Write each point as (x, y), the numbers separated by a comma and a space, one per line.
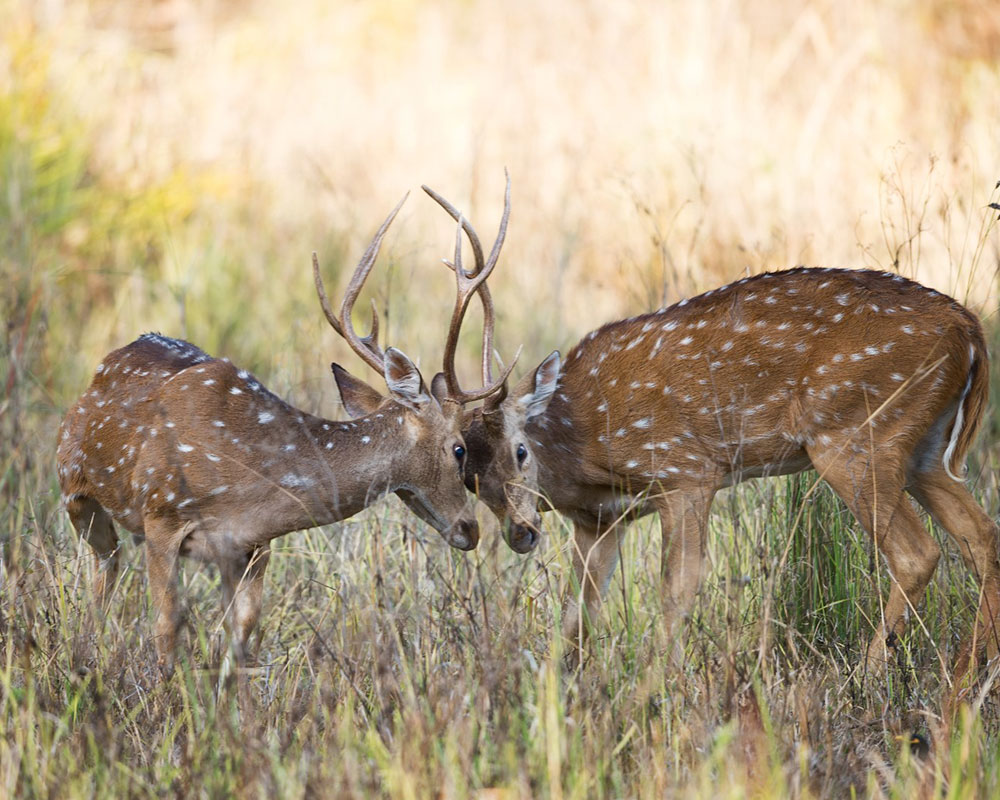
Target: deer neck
(343, 467)
(281, 471)
(555, 438)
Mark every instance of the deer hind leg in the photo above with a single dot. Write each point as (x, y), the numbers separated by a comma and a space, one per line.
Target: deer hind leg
(243, 593)
(978, 539)
(876, 498)
(595, 556)
(683, 528)
(93, 524)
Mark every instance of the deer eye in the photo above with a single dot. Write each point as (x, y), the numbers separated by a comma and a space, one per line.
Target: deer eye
(522, 453)
(459, 452)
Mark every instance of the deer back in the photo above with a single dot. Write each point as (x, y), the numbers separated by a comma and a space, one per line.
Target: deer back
(745, 380)
(164, 429)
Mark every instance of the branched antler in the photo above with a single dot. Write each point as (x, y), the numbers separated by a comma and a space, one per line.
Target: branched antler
(366, 347)
(468, 283)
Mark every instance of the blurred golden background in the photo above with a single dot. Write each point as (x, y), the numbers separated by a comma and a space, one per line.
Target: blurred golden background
(171, 165)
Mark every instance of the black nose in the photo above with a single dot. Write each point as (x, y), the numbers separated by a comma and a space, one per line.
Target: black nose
(464, 535)
(522, 538)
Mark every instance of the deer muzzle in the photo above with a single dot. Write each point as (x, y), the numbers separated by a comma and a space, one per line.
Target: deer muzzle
(522, 537)
(463, 535)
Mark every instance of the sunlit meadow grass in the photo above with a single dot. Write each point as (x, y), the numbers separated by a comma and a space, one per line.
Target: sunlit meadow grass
(390, 665)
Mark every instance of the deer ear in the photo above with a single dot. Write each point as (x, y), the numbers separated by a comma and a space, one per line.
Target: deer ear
(439, 387)
(404, 381)
(357, 397)
(535, 390)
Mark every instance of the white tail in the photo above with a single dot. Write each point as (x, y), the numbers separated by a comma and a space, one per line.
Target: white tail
(958, 427)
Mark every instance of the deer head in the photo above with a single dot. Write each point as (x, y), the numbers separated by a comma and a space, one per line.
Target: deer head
(435, 426)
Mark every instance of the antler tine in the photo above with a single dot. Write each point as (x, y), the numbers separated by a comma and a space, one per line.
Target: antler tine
(484, 291)
(502, 233)
(323, 301)
(486, 300)
(501, 394)
(366, 347)
(457, 315)
(497, 386)
(477, 248)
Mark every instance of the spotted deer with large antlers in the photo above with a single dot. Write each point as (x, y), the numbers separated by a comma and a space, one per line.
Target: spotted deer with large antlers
(196, 457)
(875, 381)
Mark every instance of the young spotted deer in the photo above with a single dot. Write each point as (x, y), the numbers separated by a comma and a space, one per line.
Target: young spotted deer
(875, 381)
(194, 455)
